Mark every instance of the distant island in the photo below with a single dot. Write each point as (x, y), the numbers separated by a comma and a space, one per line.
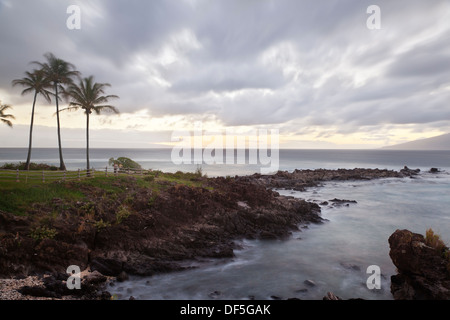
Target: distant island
(441, 142)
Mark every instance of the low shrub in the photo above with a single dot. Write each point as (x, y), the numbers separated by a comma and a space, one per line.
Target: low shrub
(33, 166)
(434, 240)
(122, 213)
(41, 233)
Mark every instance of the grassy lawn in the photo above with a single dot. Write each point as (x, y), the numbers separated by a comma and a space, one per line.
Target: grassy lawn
(18, 197)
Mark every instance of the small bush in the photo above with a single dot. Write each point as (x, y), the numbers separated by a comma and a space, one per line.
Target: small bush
(41, 233)
(122, 213)
(33, 166)
(199, 171)
(100, 224)
(124, 163)
(87, 210)
(434, 240)
(149, 178)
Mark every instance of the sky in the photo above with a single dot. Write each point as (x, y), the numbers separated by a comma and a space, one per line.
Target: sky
(324, 74)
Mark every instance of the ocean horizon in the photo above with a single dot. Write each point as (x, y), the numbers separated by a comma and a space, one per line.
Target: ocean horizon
(288, 159)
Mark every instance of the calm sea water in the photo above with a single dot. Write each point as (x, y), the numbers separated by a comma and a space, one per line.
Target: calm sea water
(334, 255)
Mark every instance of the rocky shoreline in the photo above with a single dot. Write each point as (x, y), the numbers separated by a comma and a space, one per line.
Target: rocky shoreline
(160, 231)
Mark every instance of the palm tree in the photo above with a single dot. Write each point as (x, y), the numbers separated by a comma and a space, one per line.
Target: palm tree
(59, 73)
(4, 117)
(88, 95)
(38, 83)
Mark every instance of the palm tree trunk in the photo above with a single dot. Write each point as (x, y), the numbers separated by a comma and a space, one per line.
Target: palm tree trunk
(87, 142)
(27, 164)
(62, 166)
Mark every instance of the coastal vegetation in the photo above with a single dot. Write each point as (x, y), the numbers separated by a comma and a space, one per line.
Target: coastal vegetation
(124, 162)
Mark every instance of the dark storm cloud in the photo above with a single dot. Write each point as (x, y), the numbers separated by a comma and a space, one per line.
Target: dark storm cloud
(429, 59)
(230, 77)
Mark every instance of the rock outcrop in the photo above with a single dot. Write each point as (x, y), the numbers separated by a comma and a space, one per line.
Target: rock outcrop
(301, 179)
(423, 271)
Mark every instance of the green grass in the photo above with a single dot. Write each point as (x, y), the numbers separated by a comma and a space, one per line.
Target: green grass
(19, 197)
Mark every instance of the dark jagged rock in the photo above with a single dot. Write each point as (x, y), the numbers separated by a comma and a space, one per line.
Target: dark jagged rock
(38, 291)
(55, 287)
(309, 283)
(94, 278)
(331, 296)
(340, 201)
(409, 172)
(109, 267)
(423, 272)
(301, 179)
(350, 266)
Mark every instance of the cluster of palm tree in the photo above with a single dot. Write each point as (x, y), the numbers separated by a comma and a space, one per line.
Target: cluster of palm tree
(54, 79)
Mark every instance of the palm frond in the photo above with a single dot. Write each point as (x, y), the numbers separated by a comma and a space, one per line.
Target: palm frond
(73, 108)
(87, 94)
(36, 81)
(107, 108)
(4, 117)
(57, 70)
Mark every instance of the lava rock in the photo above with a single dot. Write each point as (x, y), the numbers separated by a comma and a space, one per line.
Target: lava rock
(423, 271)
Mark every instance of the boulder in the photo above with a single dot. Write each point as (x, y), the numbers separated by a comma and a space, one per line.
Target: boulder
(409, 172)
(94, 277)
(423, 272)
(105, 266)
(309, 283)
(331, 296)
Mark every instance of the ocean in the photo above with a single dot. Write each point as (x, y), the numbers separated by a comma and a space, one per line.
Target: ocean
(334, 256)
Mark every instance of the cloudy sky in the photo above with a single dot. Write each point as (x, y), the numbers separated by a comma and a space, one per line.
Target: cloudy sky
(313, 70)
